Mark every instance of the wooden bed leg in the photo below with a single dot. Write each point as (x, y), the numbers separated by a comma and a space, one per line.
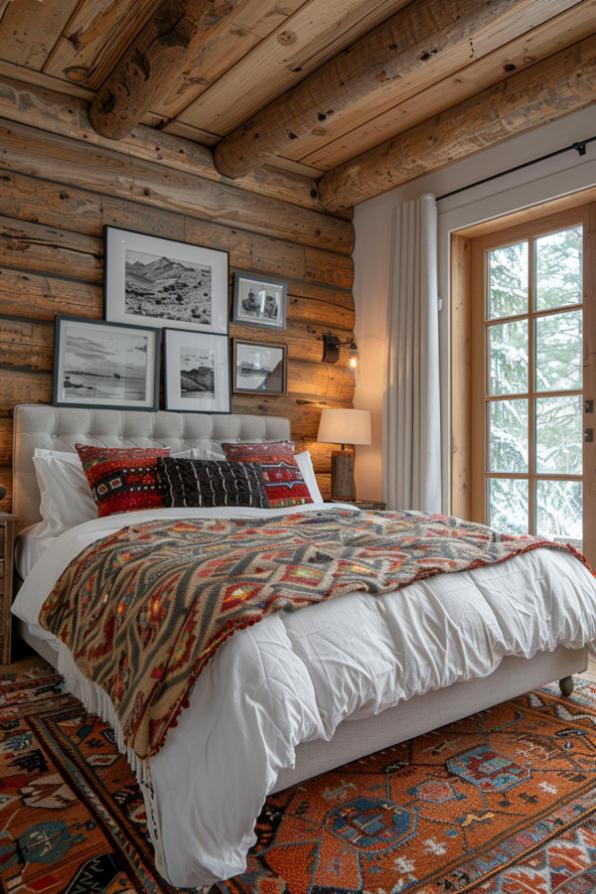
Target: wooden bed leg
(566, 685)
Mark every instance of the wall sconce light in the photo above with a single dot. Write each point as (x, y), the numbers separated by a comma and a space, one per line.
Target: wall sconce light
(331, 346)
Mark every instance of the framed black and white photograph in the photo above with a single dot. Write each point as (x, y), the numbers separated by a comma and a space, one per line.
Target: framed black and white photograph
(259, 301)
(259, 368)
(197, 371)
(161, 282)
(107, 365)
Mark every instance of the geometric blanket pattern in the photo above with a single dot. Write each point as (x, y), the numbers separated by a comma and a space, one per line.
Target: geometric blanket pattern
(499, 803)
(145, 609)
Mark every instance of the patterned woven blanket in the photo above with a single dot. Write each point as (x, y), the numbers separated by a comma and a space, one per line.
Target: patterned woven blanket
(143, 610)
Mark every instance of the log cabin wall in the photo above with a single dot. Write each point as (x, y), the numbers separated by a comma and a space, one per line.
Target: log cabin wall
(56, 196)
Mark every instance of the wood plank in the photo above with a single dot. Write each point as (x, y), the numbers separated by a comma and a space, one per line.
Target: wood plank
(29, 151)
(33, 78)
(95, 38)
(6, 482)
(461, 376)
(26, 344)
(419, 45)
(322, 380)
(156, 57)
(561, 84)
(29, 29)
(41, 201)
(41, 249)
(589, 352)
(317, 31)
(304, 413)
(23, 387)
(552, 36)
(68, 116)
(6, 440)
(42, 297)
(207, 60)
(302, 339)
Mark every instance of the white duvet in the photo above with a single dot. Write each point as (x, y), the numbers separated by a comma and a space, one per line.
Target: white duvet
(293, 678)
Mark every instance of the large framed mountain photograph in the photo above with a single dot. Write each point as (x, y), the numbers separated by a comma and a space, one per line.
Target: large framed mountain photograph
(158, 282)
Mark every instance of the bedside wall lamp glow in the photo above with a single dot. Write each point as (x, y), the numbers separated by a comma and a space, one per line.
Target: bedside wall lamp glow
(331, 346)
(344, 427)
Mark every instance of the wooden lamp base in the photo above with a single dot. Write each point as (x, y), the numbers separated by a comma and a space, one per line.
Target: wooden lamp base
(342, 475)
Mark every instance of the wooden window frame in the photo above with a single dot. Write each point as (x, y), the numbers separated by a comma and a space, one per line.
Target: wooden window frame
(469, 359)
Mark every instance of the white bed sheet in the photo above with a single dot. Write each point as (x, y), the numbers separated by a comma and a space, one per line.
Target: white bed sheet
(31, 544)
(294, 678)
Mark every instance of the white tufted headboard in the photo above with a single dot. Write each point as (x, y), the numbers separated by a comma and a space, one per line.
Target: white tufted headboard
(60, 428)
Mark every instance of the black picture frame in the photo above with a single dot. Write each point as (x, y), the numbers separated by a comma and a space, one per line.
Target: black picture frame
(253, 347)
(118, 241)
(83, 328)
(244, 284)
(173, 341)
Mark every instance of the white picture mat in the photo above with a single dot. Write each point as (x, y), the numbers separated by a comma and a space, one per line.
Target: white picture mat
(118, 242)
(103, 334)
(176, 341)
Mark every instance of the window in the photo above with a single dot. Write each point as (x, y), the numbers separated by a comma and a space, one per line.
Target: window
(523, 372)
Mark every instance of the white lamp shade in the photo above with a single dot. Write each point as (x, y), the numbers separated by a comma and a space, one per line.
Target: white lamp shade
(345, 427)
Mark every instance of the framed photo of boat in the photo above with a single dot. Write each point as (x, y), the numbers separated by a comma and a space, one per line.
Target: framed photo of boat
(105, 365)
(260, 301)
(197, 372)
(162, 282)
(259, 368)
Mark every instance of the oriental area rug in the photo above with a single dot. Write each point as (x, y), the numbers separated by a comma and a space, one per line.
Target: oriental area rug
(502, 801)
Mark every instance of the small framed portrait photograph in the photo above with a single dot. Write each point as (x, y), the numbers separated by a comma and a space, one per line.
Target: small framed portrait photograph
(107, 365)
(160, 282)
(259, 368)
(259, 301)
(197, 371)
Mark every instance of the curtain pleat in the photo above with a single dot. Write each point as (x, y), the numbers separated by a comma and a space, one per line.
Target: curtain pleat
(412, 402)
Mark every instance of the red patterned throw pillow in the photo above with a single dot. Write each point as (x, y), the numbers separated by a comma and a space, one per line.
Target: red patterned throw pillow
(282, 479)
(122, 479)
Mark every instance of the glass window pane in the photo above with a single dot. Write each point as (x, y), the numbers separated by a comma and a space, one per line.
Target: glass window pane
(559, 352)
(559, 435)
(508, 358)
(559, 268)
(508, 436)
(508, 505)
(559, 509)
(508, 280)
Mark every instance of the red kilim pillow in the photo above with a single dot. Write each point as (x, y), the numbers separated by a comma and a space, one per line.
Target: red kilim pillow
(122, 480)
(282, 479)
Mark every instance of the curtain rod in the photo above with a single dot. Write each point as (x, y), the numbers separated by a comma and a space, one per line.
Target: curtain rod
(579, 147)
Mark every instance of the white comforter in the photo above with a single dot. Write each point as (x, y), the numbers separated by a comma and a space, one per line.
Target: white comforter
(293, 678)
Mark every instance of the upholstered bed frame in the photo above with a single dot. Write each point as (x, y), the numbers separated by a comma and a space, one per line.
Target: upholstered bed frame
(60, 428)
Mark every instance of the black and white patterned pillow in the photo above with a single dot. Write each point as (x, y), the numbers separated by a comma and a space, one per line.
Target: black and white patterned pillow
(205, 482)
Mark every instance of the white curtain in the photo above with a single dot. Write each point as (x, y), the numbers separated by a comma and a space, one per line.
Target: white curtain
(412, 427)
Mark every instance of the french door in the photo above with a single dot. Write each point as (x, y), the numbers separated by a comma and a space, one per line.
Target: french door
(533, 353)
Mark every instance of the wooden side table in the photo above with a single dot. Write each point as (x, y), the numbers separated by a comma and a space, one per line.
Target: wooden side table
(7, 525)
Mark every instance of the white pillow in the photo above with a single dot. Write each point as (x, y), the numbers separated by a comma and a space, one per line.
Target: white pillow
(305, 465)
(66, 498)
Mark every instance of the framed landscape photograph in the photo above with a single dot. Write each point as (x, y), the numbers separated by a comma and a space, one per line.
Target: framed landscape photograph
(107, 365)
(259, 368)
(160, 282)
(197, 371)
(260, 301)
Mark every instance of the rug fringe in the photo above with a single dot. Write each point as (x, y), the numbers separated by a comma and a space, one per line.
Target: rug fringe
(97, 701)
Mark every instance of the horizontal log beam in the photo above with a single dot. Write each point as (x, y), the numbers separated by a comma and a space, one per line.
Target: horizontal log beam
(151, 64)
(27, 150)
(68, 116)
(549, 90)
(421, 43)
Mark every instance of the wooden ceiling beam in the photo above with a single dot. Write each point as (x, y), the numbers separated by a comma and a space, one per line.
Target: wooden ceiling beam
(151, 65)
(420, 44)
(549, 90)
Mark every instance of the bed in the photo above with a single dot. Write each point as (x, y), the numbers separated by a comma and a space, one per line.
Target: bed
(333, 683)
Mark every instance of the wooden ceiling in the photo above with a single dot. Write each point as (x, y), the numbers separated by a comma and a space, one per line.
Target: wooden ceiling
(356, 92)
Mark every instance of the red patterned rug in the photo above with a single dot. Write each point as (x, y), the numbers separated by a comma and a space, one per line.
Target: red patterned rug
(500, 802)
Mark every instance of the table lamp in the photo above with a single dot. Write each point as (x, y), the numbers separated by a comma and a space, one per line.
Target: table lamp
(344, 427)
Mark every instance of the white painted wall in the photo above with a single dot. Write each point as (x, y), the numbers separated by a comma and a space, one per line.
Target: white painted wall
(374, 222)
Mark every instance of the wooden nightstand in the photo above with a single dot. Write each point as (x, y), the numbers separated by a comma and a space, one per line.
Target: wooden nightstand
(7, 523)
(371, 505)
